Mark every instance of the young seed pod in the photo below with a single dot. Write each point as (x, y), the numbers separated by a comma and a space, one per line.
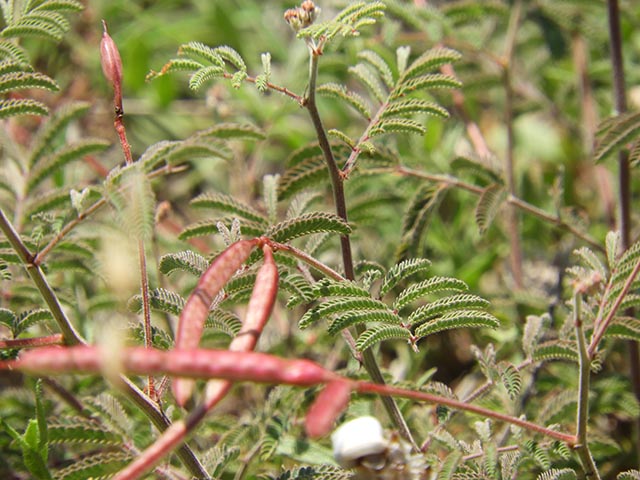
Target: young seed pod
(330, 403)
(111, 65)
(196, 310)
(199, 363)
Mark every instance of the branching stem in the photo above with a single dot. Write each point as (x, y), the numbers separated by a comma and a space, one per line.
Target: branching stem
(368, 359)
(515, 201)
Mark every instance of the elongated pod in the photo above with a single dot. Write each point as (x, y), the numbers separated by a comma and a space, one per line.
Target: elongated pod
(329, 404)
(198, 363)
(259, 310)
(195, 312)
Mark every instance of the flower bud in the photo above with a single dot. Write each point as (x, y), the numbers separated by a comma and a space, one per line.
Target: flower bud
(302, 16)
(111, 64)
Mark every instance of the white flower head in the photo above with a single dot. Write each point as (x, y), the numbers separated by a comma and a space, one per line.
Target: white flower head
(358, 438)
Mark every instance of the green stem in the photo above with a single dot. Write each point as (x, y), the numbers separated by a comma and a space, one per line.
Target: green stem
(582, 447)
(368, 359)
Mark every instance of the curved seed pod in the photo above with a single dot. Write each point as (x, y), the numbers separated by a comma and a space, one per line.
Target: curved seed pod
(196, 310)
(199, 363)
(330, 403)
(261, 303)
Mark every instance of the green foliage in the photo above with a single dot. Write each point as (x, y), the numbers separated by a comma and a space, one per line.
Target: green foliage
(247, 163)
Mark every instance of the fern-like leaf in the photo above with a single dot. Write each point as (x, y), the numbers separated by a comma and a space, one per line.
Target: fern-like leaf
(378, 63)
(99, 466)
(24, 80)
(629, 475)
(556, 350)
(44, 139)
(458, 319)
(29, 318)
(308, 224)
(11, 52)
(511, 379)
(377, 334)
(397, 125)
(402, 270)
(238, 131)
(355, 318)
(412, 106)
(337, 306)
(341, 92)
(203, 75)
(618, 134)
(22, 106)
(186, 261)
(431, 60)
(160, 300)
(224, 322)
(370, 80)
(210, 227)
(53, 162)
(489, 203)
(330, 288)
(428, 287)
(228, 204)
(624, 327)
(199, 51)
(80, 431)
(304, 174)
(558, 474)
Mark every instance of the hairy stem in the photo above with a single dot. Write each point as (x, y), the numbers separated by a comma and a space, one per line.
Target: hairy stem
(347, 259)
(582, 448)
(624, 177)
(601, 325)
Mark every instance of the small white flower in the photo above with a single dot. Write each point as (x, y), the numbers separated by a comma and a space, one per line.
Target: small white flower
(356, 439)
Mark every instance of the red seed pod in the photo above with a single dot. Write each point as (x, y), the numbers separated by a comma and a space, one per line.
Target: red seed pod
(195, 312)
(330, 403)
(199, 363)
(111, 64)
(259, 310)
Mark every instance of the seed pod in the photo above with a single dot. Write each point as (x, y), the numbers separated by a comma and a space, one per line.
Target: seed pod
(195, 312)
(111, 65)
(330, 403)
(199, 363)
(261, 303)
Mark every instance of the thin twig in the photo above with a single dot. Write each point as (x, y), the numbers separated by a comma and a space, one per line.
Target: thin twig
(554, 220)
(285, 91)
(600, 325)
(56, 339)
(582, 447)
(369, 360)
(624, 177)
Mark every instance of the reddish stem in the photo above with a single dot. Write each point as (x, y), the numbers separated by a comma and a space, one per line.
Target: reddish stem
(56, 339)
